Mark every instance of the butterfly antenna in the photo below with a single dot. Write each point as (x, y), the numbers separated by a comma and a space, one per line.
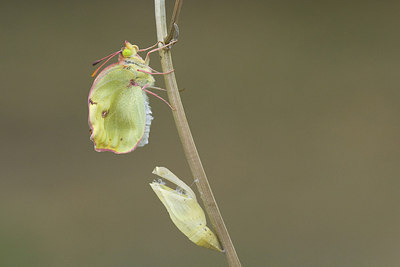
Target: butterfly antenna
(98, 61)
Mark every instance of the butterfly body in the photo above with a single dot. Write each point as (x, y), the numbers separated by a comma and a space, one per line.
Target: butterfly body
(119, 111)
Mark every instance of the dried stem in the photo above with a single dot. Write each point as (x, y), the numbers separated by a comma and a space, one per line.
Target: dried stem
(174, 20)
(185, 135)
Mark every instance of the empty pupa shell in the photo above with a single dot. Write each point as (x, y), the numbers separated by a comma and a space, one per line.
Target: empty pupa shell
(184, 210)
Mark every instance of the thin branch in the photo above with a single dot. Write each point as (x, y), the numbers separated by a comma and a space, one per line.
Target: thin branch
(174, 21)
(185, 135)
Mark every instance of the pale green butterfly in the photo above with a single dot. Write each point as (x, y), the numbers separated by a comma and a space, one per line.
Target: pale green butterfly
(119, 111)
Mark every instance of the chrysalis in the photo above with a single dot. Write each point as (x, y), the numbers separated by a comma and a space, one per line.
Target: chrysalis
(184, 210)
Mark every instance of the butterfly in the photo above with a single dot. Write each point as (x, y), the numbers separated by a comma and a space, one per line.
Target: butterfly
(119, 111)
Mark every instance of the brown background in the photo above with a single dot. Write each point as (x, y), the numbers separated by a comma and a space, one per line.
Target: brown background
(294, 106)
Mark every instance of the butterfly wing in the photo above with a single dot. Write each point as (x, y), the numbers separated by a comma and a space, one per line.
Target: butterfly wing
(119, 114)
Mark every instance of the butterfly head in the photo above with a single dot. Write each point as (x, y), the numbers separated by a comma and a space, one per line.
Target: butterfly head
(129, 50)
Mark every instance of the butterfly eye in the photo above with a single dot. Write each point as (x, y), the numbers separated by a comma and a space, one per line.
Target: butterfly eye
(127, 52)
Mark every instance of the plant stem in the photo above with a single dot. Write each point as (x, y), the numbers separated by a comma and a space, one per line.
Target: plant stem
(188, 144)
(174, 19)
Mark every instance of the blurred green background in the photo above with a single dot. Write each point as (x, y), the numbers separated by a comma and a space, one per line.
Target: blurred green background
(294, 107)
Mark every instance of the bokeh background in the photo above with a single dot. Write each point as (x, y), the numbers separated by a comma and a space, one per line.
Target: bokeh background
(294, 107)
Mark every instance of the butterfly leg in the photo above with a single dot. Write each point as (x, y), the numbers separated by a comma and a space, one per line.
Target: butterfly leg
(162, 89)
(147, 59)
(148, 48)
(153, 73)
(133, 83)
(157, 88)
(154, 94)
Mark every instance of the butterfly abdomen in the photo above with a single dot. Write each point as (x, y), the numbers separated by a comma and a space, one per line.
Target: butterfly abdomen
(149, 118)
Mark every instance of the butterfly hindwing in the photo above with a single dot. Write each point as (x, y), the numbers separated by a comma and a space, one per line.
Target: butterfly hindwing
(117, 111)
